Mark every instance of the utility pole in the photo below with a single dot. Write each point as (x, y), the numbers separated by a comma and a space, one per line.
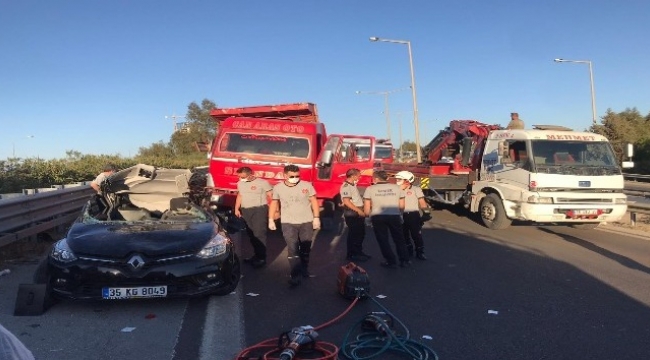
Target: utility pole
(401, 145)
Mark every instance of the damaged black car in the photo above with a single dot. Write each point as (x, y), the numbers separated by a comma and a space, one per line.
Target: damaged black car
(144, 236)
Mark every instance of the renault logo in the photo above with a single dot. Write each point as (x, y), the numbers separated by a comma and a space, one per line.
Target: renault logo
(136, 262)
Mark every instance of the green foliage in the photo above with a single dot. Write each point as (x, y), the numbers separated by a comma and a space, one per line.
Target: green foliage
(627, 126)
(408, 146)
(181, 152)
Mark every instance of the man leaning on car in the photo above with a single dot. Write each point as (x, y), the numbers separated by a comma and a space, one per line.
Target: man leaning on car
(109, 169)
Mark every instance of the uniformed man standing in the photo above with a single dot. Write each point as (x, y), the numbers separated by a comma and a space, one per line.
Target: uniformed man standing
(413, 202)
(299, 217)
(384, 203)
(253, 196)
(354, 216)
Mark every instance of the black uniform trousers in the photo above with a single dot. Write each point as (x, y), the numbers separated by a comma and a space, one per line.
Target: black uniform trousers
(356, 234)
(413, 229)
(257, 219)
(390, 224)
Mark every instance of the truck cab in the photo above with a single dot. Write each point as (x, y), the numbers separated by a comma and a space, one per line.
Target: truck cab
(267, 138)
(548, 174)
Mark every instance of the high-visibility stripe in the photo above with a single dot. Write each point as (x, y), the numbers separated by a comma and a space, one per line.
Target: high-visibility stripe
(424, 183)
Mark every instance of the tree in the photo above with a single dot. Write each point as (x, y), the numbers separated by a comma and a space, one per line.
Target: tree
(408, 146)
(628, 126)
(200, 128)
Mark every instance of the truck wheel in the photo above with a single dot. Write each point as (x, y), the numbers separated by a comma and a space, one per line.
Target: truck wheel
(493, 214)
(585, 226)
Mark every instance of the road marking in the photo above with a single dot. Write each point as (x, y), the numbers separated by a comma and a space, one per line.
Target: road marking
(223, 333)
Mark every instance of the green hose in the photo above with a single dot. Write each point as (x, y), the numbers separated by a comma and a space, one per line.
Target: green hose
(371, 343)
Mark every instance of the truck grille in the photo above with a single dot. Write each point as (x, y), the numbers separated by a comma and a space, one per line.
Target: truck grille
(583, 201)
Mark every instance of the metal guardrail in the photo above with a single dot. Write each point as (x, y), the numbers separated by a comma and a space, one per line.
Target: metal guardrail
(634, 209)
(636, 177)
(39, 210)
(25, 216)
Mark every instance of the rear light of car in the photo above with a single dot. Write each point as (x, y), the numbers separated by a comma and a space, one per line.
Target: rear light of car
(218, 245)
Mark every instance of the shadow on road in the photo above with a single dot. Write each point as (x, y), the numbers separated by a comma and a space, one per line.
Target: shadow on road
(540, 307)
(623, 260)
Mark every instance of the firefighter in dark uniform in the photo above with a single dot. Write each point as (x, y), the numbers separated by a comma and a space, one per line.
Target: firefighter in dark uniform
(354, 216)
(413, 203)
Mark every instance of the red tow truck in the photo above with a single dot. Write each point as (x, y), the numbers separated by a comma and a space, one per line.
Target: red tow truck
(547, 174)
(268, 137)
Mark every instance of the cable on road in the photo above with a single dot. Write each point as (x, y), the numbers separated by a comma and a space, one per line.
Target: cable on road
(378, 337)
(270, 349)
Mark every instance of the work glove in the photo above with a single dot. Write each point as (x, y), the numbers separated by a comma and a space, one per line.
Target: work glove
(316, 223)
(272, 224)
(426, 216)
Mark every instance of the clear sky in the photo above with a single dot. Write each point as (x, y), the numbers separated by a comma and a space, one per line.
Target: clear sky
(99, 77)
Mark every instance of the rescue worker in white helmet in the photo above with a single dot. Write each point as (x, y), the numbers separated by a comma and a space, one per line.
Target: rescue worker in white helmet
(413, 203)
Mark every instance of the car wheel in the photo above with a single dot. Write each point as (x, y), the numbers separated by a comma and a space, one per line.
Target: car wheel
(585, 226)
(233, 280)
(493, 214)
(41, 276)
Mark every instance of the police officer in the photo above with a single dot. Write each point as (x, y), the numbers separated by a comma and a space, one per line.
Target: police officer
(253, 196)
(384, 203)
(299, 217)
(413, 202)
(354, 216)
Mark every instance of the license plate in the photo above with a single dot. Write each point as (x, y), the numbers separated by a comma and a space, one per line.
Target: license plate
(585, 212)
(134, 292)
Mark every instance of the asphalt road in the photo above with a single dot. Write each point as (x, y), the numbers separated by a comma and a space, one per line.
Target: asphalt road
(522, 293)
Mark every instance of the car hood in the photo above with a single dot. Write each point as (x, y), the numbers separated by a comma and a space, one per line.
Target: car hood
(115, 240)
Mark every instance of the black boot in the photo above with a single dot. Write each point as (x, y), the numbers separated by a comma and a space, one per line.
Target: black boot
(304, 250)
(419, 253)
(409, 248)
(296, 271)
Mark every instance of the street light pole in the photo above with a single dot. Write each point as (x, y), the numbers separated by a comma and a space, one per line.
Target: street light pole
(413, 92)
(386, 106)
(591, 81)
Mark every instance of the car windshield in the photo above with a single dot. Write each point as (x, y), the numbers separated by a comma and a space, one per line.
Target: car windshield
(276, 145)
(577, 156)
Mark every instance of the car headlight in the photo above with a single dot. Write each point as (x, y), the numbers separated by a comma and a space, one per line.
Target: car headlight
(62, 252)
(540, 200)
(620, 200)
(215, 247)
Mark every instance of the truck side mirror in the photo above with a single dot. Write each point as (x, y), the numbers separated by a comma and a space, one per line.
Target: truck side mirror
(325, 158)
(504, 152)
(629, 151)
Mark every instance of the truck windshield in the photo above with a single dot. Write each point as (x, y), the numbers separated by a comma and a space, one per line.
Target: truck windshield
(273, 145)
(383, 152)
(577, 155)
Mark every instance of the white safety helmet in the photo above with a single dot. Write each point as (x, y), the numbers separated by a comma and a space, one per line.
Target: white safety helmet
(405, 175)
